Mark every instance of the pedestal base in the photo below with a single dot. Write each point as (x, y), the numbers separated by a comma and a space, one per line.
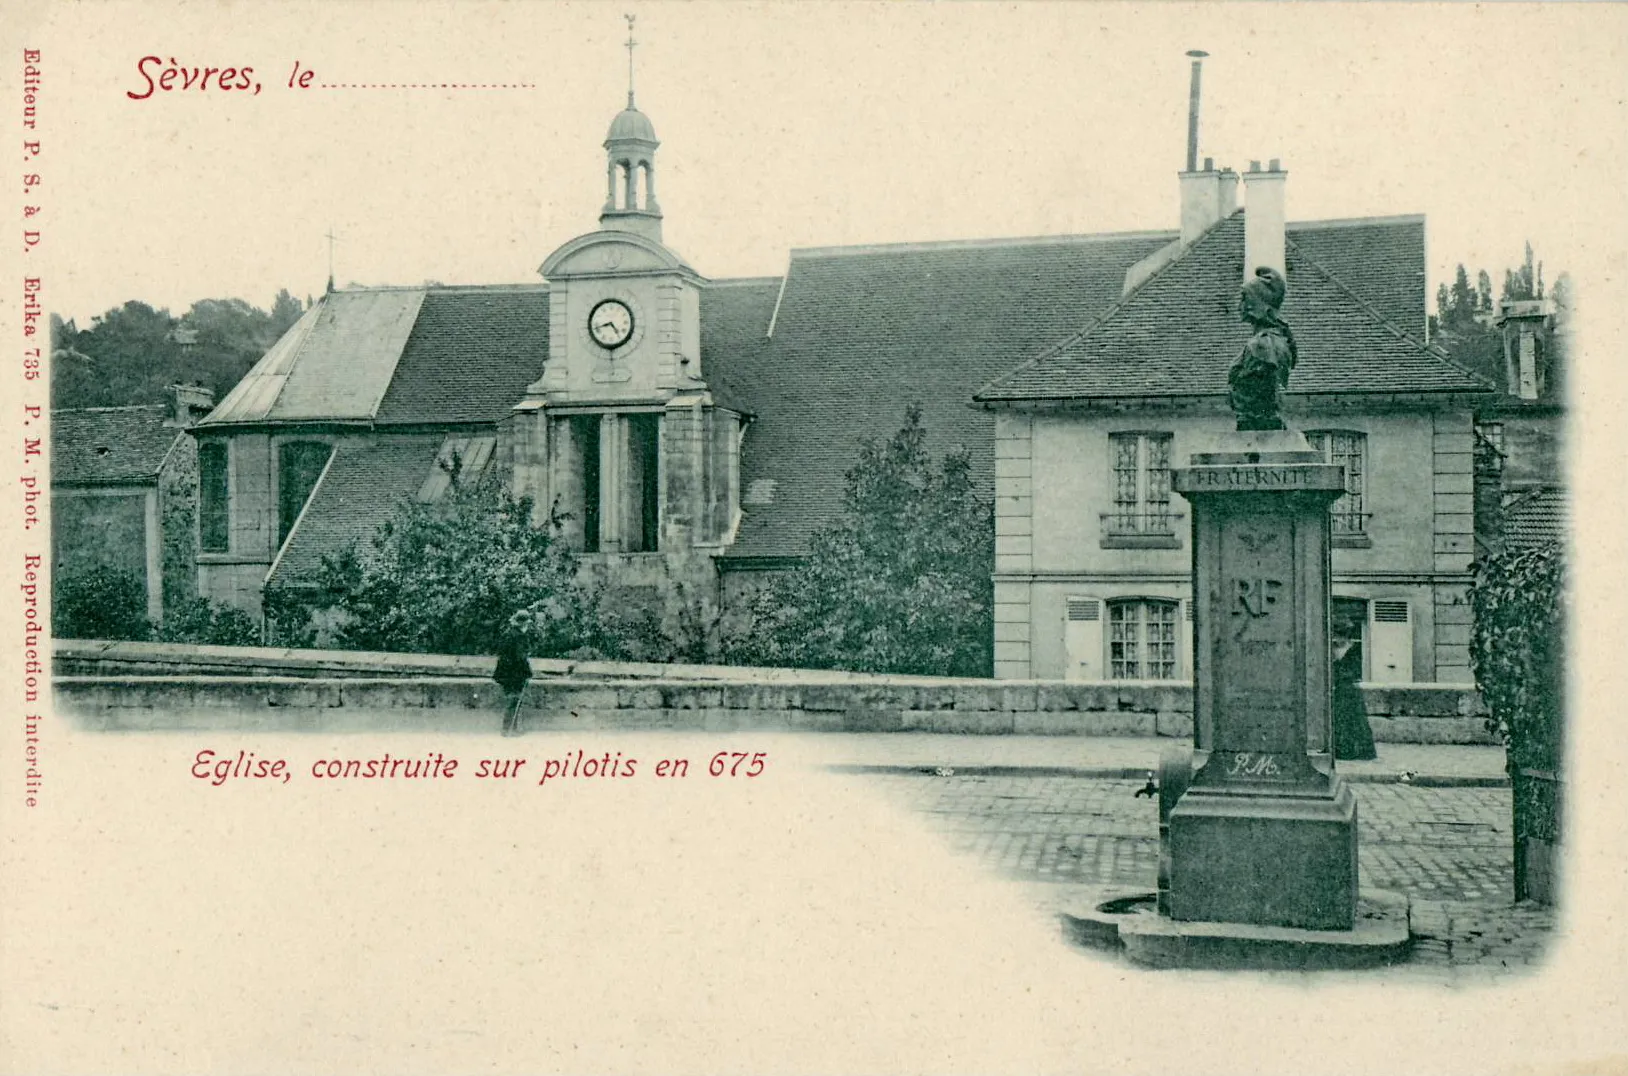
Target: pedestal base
(1265, 858)
(1119, 921)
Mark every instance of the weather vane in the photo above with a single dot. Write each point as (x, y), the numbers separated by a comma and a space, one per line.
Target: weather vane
(630, 44)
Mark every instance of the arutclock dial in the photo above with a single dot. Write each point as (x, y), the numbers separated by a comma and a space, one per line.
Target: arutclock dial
(610, 323)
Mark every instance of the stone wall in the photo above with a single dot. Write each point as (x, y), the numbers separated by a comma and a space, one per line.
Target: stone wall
(109, 685)
(178, 522)
(1534, 448)
(105, 527)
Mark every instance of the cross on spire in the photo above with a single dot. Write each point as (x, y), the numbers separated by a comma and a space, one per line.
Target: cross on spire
(332, 238)
(630, 44)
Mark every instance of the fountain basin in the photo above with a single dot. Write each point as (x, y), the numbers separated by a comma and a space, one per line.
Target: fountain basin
(1128, 922)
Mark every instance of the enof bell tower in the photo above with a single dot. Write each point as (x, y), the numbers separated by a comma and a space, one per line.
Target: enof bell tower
(630, 166)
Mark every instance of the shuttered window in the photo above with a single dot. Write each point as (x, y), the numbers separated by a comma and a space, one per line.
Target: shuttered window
(1390, 612)
(1390, 642)
(1082, 637)
(1082, 609)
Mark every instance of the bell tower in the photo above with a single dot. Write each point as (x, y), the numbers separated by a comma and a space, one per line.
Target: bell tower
(621, 433)
(630, 166)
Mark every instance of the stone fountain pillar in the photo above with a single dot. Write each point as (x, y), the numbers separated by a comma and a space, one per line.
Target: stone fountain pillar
(1266, 831)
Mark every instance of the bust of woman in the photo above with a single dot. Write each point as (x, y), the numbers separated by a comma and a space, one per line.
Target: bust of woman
(1261, 371)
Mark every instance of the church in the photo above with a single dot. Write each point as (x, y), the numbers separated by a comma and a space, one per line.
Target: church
(695, 431)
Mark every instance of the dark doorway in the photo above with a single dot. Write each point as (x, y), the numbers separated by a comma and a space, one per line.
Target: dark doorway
(585, 435)
(644, 451)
